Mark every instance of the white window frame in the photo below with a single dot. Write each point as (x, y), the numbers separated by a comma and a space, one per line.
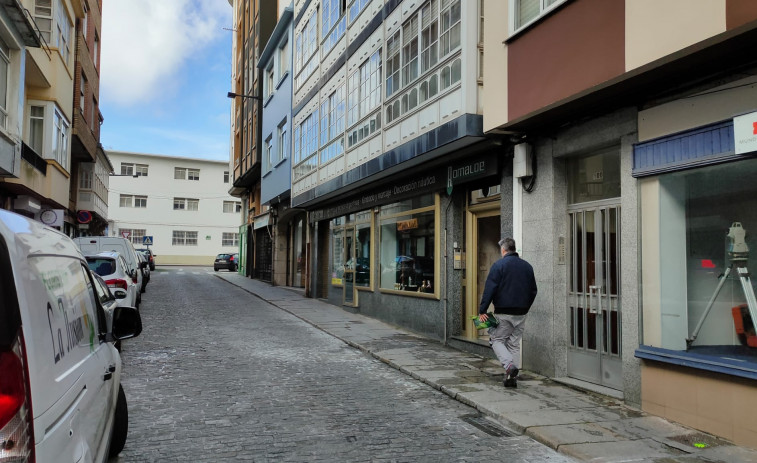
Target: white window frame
(5, 63)
(232, 207)
(229, 239)
(545, 6)
(37, 124)
(283, 63)
(43, 16)
(126, 201)
(127, 168)
(141, 169)
(268, 154)
(333, 114)
(186, 204)
(225, 176)
(282, 141)
(62, 31)
(140, 201)
(179, 173)
(183, 238)
(270, 81)
(61, 128)
(193, 174)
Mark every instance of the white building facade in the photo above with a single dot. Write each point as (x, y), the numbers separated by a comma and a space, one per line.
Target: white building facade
(181, 205)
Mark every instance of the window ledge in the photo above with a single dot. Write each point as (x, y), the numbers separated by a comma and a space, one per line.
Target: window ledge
(280, 162)
(713, 363)
(282, 79)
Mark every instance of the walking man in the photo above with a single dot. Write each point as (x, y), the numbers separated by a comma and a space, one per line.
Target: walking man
(511, 286)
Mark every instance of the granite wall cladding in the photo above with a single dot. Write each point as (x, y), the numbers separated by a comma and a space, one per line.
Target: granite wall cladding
(422, 315)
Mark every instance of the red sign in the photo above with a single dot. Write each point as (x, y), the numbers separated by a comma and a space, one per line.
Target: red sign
(125, 234)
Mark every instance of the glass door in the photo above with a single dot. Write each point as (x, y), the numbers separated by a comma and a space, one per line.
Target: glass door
(349, 295)
(594, 297)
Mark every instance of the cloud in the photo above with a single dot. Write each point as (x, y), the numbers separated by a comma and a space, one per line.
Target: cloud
(145, 43)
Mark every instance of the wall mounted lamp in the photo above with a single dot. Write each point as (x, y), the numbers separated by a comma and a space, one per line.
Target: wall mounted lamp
(233, 95)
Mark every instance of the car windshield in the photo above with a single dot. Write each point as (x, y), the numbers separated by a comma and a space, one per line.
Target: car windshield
(101, 266)
(222, 256)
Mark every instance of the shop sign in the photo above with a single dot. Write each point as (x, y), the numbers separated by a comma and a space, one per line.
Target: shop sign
(261, 221)
(425, 182)
(404, 225)
(745, 133)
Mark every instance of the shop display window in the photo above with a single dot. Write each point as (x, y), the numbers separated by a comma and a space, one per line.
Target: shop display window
(408, 245)
(696, 295)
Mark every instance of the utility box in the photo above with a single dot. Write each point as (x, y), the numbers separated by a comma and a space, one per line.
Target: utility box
(522, 161)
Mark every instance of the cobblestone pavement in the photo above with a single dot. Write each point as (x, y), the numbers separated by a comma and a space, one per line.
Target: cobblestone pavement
(221, 375)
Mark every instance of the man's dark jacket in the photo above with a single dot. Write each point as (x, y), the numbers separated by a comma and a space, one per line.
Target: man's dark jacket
(511, 286)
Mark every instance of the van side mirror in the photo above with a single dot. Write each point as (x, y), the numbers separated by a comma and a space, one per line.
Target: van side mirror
(127, 323)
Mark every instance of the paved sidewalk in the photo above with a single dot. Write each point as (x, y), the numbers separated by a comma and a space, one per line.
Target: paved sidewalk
(586, 426)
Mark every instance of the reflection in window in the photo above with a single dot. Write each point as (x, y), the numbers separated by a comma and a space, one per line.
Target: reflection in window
(407, 246)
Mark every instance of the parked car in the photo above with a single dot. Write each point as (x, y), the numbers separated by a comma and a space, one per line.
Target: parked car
(114, 270)
(60, 394)
(229, 261)
(144, 267)
(149, 255)
(91, 245)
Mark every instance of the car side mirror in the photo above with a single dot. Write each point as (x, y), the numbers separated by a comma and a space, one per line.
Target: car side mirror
(134, 273)
(127, 323)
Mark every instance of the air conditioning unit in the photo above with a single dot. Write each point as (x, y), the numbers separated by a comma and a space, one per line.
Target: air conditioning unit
(522, 160)
(28, 204)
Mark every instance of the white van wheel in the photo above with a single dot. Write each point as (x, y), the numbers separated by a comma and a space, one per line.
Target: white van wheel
(120, 425)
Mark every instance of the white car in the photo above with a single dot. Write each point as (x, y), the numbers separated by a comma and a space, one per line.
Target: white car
(112, 267)
(60, 389)
(91, 245)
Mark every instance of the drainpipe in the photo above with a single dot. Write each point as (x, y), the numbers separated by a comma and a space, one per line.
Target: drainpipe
(446, 256)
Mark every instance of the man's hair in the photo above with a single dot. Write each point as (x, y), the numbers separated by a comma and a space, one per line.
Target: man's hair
(508, 244)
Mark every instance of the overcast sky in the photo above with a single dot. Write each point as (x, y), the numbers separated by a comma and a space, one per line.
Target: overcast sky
(165, 71)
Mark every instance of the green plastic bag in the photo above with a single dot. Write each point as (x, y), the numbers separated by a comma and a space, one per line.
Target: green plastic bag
(491, 322)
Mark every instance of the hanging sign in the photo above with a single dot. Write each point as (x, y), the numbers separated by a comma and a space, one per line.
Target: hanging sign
(745, 133)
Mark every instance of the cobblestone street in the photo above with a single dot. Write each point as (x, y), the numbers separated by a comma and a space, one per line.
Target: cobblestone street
(220, 375)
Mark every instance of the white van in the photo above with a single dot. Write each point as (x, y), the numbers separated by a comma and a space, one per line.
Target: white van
(91, 245)
(60, 395)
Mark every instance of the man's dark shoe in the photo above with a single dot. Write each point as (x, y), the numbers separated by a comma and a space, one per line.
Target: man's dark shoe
(511, 382)
(512, 371)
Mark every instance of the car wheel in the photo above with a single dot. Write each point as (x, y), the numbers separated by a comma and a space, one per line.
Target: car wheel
(215, 269)
(120, 425)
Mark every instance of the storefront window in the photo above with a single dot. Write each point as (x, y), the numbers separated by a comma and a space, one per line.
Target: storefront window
(703, 229)
(408, 245)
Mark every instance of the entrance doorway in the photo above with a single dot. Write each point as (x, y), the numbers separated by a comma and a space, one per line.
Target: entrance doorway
(594, 303)
(349, 294)
(483, 232)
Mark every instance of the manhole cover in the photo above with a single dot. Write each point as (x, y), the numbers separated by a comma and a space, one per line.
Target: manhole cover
(487, 426)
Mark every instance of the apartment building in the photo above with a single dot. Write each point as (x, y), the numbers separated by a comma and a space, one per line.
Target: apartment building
(90, 166)
(180, 206)
(287, 225)
(637, 119)
(17, 32)
(389, 157)
(41, 187)
(253, 22)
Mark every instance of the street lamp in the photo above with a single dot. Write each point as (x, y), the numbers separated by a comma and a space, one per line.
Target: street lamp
(233, 95)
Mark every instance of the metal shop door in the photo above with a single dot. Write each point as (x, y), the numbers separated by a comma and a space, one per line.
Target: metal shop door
(594, 303)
